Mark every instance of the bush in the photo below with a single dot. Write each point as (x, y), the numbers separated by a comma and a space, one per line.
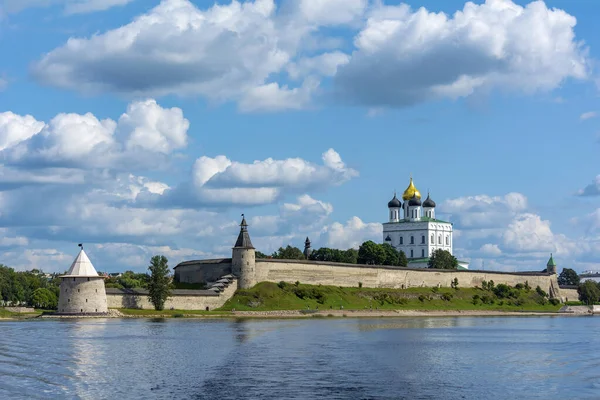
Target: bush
(519, 286)
(540, 291)
(454, 284)
(282, 285)
(422, 298)
(435, 289)
(476, 299)
(503, 291)
(554, 301)
(297, 283)
(447, 297)
(177, 315)
(485, 299)
(360, 284)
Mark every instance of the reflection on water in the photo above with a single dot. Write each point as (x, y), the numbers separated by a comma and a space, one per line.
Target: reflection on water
(411, 358)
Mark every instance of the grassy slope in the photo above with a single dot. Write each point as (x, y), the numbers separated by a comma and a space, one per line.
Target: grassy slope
(269, 296)
(169, 313)
(9, 314)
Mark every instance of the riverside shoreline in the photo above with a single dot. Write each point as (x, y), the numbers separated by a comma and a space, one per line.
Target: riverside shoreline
(288, 314)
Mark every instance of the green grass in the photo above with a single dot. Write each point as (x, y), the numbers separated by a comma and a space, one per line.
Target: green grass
(4, 313)
(271, 296)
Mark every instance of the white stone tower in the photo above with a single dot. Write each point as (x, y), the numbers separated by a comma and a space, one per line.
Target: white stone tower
(243, 258)
(82, 289)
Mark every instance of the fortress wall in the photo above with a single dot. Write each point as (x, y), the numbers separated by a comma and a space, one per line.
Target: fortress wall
(180, 300)
(337, 274)
(202, 271)
(569, 294)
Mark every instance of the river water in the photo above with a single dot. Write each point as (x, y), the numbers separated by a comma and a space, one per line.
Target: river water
(399, 358)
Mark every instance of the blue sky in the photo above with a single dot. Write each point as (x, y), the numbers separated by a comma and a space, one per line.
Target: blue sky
(134, 126)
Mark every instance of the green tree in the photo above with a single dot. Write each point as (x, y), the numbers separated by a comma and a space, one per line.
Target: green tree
(442, 259)
(160, 285)
(260, 254)
(568, 276)
(289, 253)
(349, 256)
(588, 292)
(44, 298)
(371, 253)
(391, 255)
(402, 260)
(325, 254)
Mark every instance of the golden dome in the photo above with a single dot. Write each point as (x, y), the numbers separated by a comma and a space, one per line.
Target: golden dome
(411, 191)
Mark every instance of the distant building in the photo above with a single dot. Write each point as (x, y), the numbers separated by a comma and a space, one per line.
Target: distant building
(414, 229)
(82, 289)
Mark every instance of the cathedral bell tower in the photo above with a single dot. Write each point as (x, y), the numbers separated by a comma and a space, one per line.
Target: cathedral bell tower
(243, 258)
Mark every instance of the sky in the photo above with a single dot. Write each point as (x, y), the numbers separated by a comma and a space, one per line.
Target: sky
(148, 127)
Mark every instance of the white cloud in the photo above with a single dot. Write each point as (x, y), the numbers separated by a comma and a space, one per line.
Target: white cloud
(352, 234)
(484, 211)
(150, 127)
(404, 57)
(490, 249)
(588, 115)
(221, 52)
(75, 140)
(16, 128)
(593, 189)
(70, 6)
(89, 6)
(332, 12)
(272, 97)
(240, 52)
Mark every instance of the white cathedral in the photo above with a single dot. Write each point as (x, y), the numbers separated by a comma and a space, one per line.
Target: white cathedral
(414, 229)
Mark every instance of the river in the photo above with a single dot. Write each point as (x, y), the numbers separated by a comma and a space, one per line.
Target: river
(387, 358)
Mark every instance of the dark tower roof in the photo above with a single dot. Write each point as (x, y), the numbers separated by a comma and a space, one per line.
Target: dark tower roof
(243, 240)
(388, 238)
(394, 203)
(415, 201)
(428, 202)
(307, 242)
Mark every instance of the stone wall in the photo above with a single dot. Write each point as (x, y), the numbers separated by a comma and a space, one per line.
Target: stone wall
(82, 296)
(314, 272)
(202, 270)
(179, 300)
(569, 294)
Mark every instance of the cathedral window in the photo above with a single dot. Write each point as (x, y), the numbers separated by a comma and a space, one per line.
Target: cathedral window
(423, 239)
(432, 240)
(411, 254)
(440, 239)
(422, 252)
(412, 240)
(401, 240)
(447, 241)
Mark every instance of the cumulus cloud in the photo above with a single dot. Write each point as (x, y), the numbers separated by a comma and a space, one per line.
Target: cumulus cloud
(84, 141)
(593, 189)
(588, 115)
(404, 57)
(70, 6)
(484, 211)
(220, 52)
(352, 234)
(250, 52)
(221, 181)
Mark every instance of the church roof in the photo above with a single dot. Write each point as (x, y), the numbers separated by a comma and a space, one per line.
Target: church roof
(411, 191)
(415, 201)
(551, 262)
(81, 267)
(394, 203)
(428, 202)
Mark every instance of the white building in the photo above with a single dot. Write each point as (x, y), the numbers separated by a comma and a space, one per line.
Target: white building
(414, 229)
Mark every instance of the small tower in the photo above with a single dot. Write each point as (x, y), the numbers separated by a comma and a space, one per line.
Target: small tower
(429, 207)
(307, 249)
(394, 206)
(243, 258)
(81, 289)
(551, 265)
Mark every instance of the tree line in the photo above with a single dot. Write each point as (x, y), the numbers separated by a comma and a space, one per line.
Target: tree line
(369, 253)
(28, 288)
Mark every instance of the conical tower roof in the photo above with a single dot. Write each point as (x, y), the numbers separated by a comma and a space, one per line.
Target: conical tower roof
(81, 267)
(551, 262)
(243, 240)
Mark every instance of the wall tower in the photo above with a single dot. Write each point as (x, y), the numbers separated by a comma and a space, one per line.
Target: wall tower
(551, 265)
(307, 249)
(243, 258)
(82, 289)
